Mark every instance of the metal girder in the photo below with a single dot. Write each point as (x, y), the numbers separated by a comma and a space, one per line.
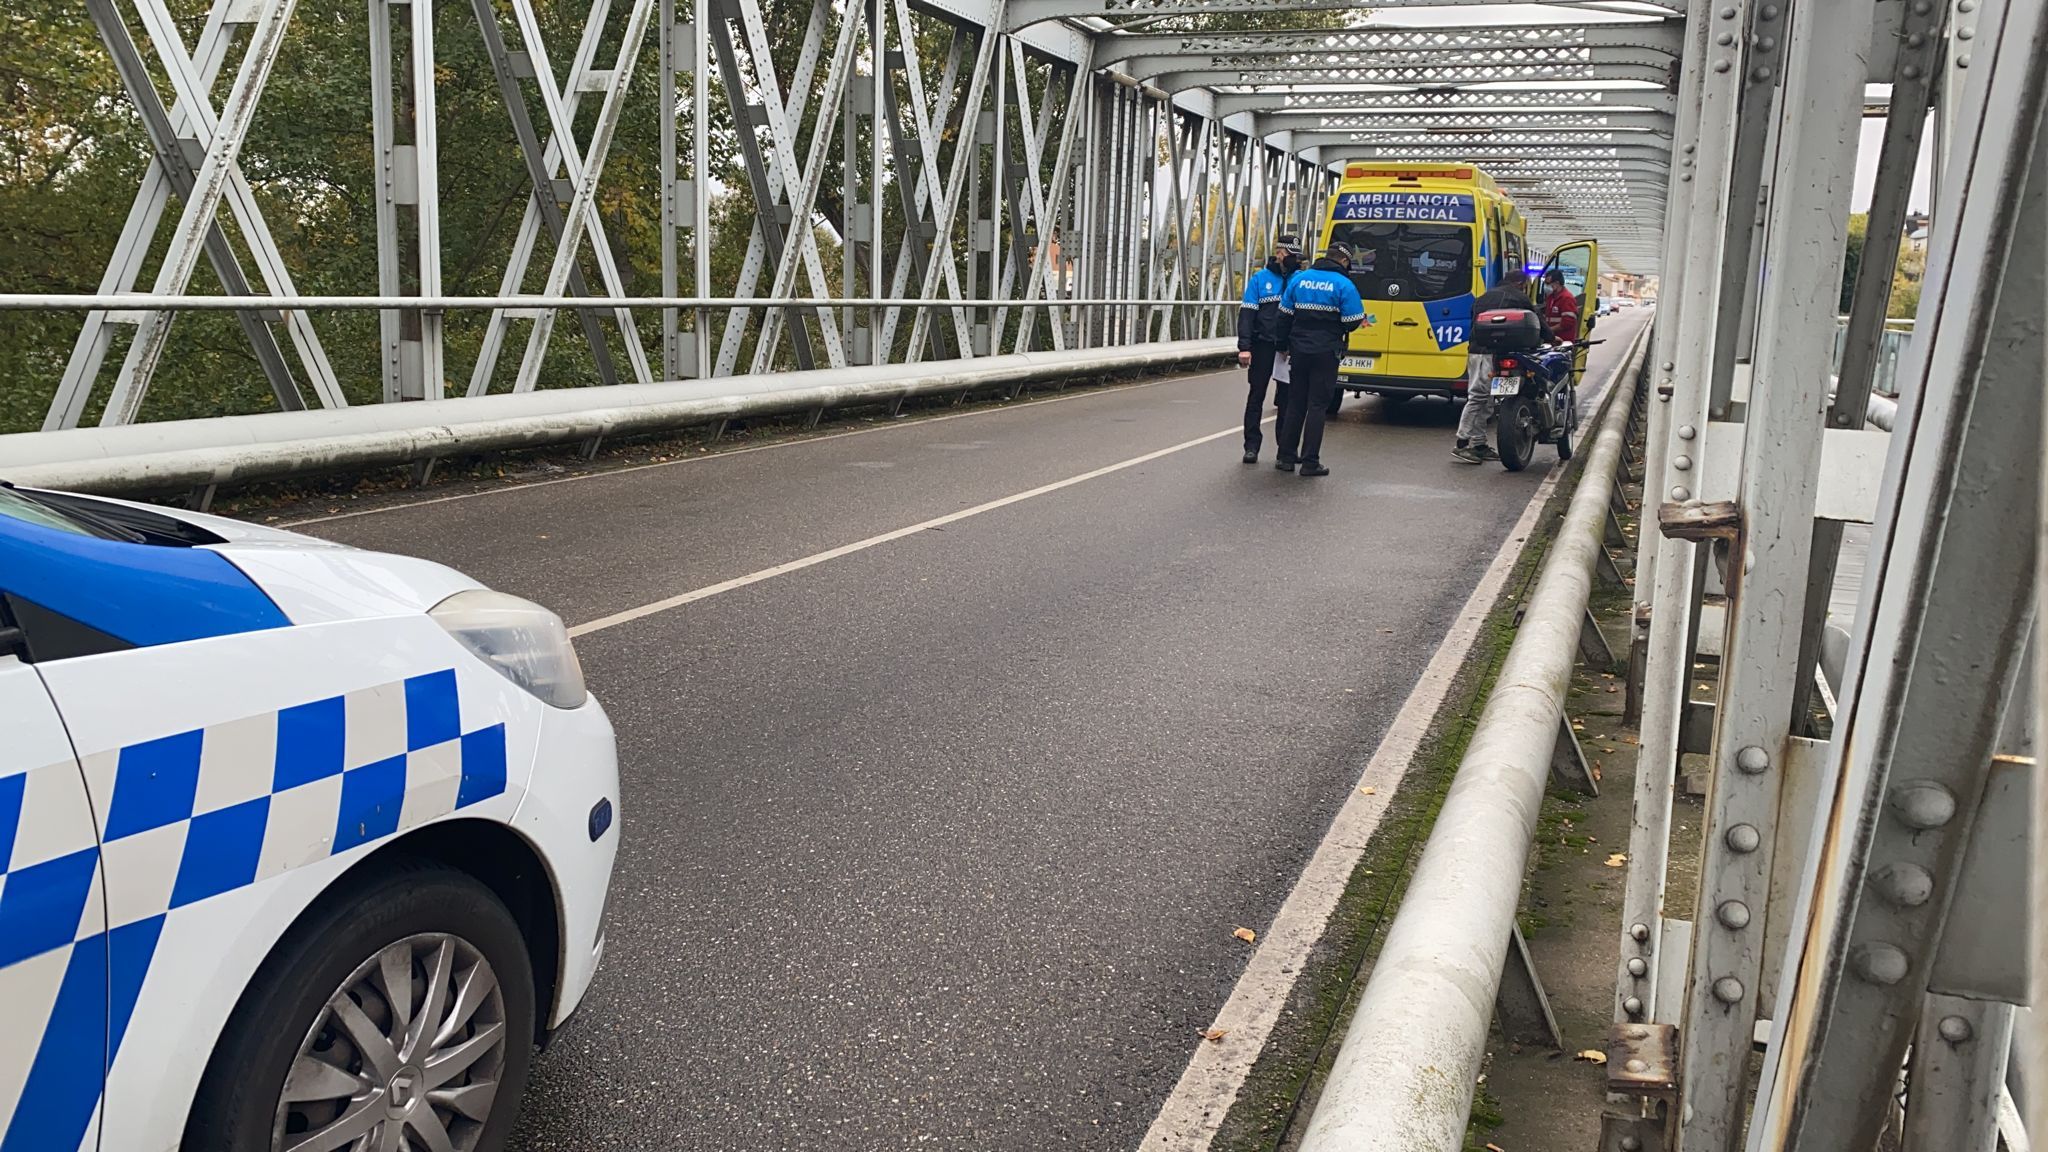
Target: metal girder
(1660, 37)
(1024, 13)
(1938, 650)
(1560, 143)
(1449, 101)
(1547, 66)
(212, 179)
(1620, 125)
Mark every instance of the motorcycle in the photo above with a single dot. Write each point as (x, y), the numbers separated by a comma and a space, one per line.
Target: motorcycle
(1536, 401)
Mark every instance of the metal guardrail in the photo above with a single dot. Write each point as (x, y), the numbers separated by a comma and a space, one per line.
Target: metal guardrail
(1404, 1079)
(1891, 348)
(191, 454)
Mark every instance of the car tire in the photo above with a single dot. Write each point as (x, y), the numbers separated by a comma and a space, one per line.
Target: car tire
(431, 918)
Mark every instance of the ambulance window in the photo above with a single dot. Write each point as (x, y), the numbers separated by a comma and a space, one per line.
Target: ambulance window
(1408, 261)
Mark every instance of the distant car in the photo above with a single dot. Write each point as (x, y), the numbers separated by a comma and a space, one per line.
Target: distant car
(300, 845)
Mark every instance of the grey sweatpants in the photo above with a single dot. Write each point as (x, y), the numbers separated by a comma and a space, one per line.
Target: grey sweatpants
(1477, 417)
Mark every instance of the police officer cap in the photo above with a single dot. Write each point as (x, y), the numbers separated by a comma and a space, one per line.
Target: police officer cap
(1289, 243)
(1339, 251)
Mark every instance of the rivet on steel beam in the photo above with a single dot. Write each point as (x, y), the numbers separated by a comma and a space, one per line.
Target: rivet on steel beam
(1725, 39)
(1914, 41)
(1685, 177)
(1689, 150)
(1682, 463)
(1728, 13)
(1966, 33)
(1687, 431)
(1633, 1006)
(1904, 884)
(1955, 1029)
(1631, 1144)
(1911, 71)
(1669, 366)
(1639, 932)
(1881, 963)
(1966, 5)
(1752, 759)
(1963, 61)
(1733, 914)
(1924, 804)
(1743, 838)
(1727, 989)
(1720, 65)
(1766, 43)
(1681, 492)
(1638, 967)
(1636, 1065)
(1769, 12)
(1922, 8)
(1760, 75)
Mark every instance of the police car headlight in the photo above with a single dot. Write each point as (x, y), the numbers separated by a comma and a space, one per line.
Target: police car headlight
(525, 642)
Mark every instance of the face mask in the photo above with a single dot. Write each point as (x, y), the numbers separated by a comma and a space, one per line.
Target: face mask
(1291, 263)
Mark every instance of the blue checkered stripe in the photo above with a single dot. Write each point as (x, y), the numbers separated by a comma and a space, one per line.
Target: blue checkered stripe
(187, 817)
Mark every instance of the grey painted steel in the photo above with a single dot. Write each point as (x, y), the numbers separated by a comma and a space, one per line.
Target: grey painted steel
(191, 453)
(1662, 610)
(1752, 758)
(1938, 648)
(1403, 1081)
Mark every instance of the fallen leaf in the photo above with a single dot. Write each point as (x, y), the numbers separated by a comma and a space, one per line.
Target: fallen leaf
(1607, 749)
(1597, 777)
(1592, 1056)
(1368, 791)
(1246, 935)
(1612, 688)
(1617, 860)
(1215, 1034)
(1495, 1148)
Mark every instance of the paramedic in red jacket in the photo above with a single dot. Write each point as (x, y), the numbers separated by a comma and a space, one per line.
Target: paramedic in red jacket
(1560, 307)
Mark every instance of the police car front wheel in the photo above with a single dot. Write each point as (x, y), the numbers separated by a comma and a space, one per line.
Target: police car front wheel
(399, 1016)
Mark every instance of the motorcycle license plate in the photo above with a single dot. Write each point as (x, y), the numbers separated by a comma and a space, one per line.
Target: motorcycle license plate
(1361, 363)
(1505, 386)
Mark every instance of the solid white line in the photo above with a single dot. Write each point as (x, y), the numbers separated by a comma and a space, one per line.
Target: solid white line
(817, 558)
(1208, 1087)
(909, 422)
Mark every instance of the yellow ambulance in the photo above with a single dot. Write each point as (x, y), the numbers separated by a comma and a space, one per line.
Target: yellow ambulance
(1426, 240)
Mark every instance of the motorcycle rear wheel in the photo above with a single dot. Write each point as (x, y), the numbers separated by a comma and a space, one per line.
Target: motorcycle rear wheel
(1515, 432)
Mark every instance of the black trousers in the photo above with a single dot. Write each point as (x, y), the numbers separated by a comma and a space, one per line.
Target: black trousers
(1257, 376)
(1307, 406)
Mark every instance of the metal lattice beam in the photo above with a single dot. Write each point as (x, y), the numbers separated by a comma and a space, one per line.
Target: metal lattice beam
(1448, 101)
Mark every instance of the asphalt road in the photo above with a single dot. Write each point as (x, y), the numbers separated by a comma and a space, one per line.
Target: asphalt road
(942, 842)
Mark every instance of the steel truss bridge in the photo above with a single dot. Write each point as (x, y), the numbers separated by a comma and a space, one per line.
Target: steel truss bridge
(1070, 178)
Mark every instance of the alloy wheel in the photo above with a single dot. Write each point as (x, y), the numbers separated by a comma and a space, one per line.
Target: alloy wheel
(407, 1053)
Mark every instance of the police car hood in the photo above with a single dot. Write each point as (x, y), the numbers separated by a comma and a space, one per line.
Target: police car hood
(314, 581)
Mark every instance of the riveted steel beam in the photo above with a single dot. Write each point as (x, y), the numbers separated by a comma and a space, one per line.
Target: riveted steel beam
(1447, 101)
(1024, 13)
(1350, 44)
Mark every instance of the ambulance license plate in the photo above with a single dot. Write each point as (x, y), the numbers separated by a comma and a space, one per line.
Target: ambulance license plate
(1506, 385)
(1361, 363)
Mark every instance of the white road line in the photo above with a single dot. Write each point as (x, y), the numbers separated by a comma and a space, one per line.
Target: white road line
(817, 558)
(911, 422)
(1208, 1087)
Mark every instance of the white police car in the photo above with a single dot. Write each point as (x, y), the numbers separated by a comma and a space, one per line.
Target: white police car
(301, 847)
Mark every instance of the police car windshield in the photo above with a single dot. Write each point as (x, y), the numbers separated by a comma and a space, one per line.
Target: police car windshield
(1408, 261)
(17, 505)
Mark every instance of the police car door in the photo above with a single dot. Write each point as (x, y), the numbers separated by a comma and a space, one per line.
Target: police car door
(54, 949)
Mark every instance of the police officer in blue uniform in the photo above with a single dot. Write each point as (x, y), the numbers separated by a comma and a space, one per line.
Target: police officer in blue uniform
(1258, 336)
(1318, 310)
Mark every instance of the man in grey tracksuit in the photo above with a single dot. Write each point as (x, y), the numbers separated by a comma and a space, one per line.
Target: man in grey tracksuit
(1511, 292)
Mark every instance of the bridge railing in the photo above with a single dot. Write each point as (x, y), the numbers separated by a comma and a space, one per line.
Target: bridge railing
(1405, 1076)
